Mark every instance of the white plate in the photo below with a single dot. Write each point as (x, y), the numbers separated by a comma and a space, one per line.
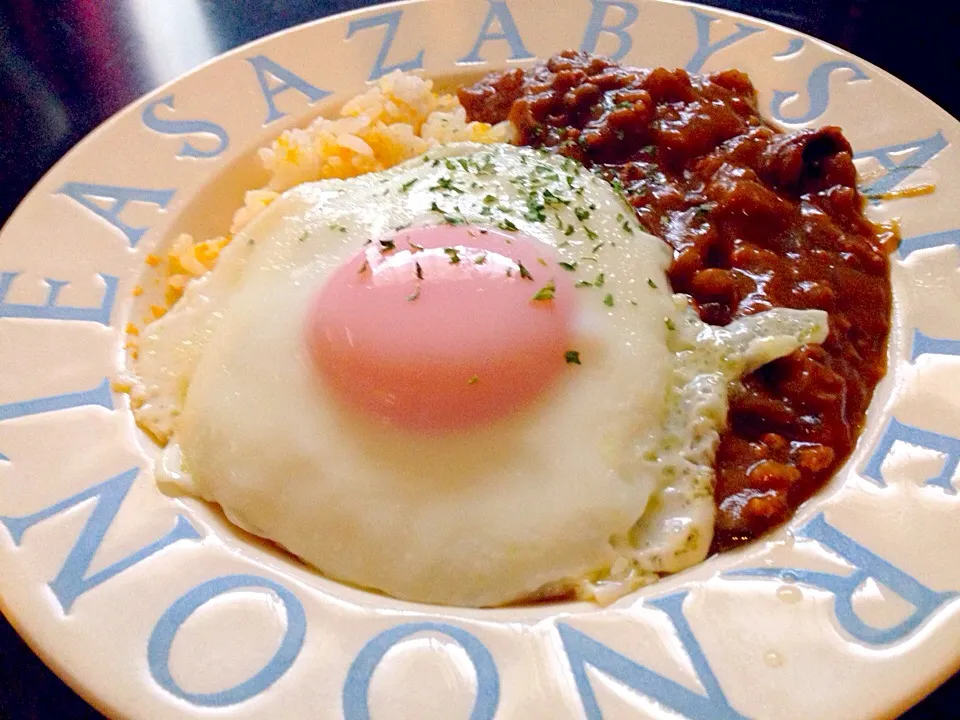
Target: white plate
(155, 608)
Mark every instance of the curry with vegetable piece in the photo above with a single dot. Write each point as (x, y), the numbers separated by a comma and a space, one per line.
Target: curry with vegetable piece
(757, 218)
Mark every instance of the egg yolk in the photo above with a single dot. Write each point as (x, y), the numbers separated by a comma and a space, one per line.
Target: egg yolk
(438, 329)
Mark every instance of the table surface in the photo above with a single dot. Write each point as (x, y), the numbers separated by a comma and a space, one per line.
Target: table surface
(67, 65)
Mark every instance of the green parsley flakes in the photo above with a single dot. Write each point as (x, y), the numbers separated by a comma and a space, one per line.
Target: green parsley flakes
(547, 292)
(582, 213)
(568, 266)
(599, 280)
(387, 246)
(651, 283)
(407, 185)
(524, 273)
(550, 198)
(507, 224)
(572, 357)
(419, 271)
(453, 254)
(608, 300)
(670, 324)
(446, 183)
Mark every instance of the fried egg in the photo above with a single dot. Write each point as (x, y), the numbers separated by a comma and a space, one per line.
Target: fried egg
(463, 380)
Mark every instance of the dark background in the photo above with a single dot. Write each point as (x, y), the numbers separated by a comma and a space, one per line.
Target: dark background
(67, 65)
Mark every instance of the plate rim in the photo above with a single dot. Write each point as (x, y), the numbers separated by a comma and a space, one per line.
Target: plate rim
(73, 681)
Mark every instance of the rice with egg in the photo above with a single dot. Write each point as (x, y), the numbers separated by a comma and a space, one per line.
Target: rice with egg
(397, 119)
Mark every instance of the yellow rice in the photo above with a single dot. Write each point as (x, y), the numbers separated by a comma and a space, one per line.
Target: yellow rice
(397, 119)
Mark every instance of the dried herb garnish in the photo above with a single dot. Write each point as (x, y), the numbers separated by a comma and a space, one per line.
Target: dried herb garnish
(547, 292)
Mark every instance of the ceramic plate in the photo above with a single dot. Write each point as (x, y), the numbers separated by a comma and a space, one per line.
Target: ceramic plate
(153, 607)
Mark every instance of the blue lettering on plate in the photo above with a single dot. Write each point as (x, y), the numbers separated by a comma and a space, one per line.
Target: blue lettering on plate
(357, 686)
(72, 581)
(583, 650)
(818, 90)
(263, 66)
(705, 49)
(50, 310)
(793, 47)
(595, 26)
(392, 22)
(99, 395)
(498, 13)
(895, 431)
(914, 154)
(161, 640)
(922, 344)
(84, 192)
(185, 127)
(843, 587)
(929, 240)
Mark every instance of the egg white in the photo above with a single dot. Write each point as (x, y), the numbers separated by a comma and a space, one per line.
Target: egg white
(552, 497)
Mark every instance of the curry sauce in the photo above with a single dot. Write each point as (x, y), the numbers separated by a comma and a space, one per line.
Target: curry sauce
(757, 218)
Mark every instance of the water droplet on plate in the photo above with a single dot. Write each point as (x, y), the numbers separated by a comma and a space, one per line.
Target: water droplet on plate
(789, 594)
(773, 659)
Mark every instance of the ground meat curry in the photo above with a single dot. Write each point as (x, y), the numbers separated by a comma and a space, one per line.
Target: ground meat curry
(757, 218)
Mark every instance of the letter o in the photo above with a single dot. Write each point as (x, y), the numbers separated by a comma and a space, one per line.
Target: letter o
(161, 640)
(357, 686)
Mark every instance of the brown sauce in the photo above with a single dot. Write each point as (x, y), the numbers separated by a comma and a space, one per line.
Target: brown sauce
(757, 219)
